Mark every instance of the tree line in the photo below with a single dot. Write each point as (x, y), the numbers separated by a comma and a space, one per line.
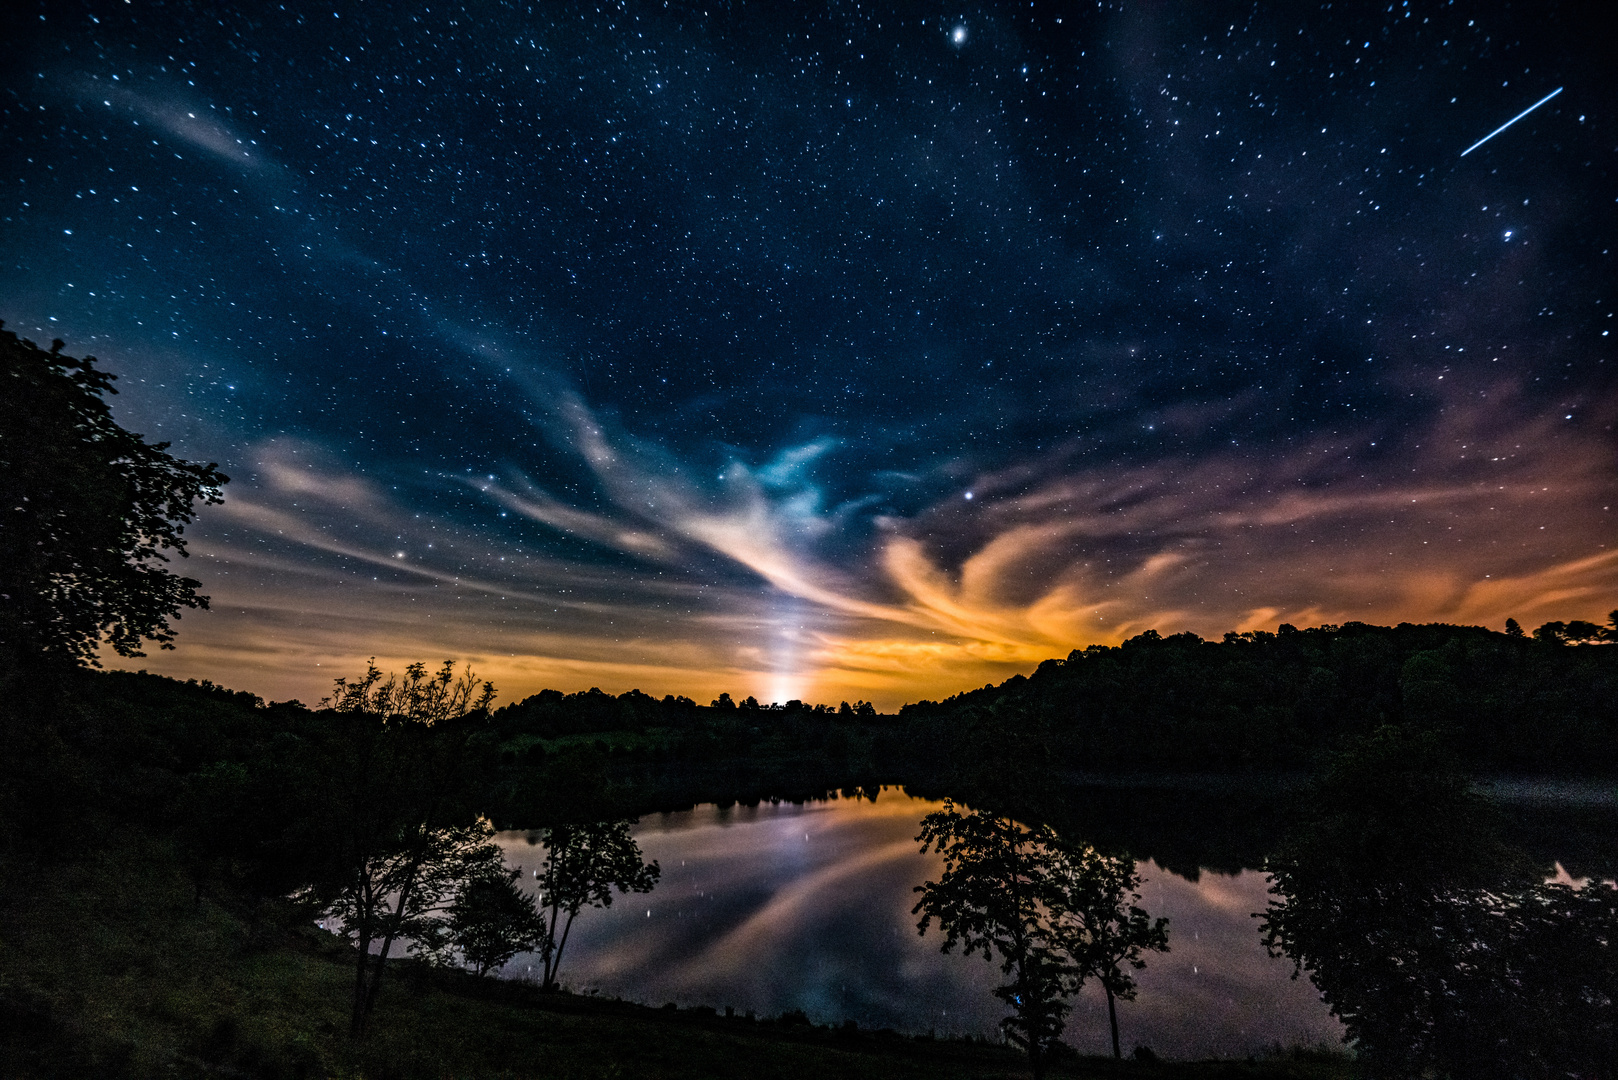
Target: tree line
(1441, 947)
(1500, 700)
(371, 813)
(378, 809)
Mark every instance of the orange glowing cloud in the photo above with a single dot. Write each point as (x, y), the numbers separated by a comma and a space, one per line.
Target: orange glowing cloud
(703, 588)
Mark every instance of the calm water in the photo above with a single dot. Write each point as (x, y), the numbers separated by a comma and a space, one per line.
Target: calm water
(773, 908)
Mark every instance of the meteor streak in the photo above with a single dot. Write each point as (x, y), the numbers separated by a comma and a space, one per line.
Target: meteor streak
(1513, 120)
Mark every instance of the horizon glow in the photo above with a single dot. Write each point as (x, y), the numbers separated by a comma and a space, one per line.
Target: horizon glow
(829, 356)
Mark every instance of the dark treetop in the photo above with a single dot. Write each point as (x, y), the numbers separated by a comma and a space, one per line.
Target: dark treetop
(89, 514)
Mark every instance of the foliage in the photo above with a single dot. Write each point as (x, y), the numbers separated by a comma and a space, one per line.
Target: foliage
(993, 899)
(492, 919)
(1562, 633)
(1037, 996)
(1054, 915)
(91, 514)
(1441, 952)
(389, 817)
(405, 890)
(417, 698)
(1099, 928)
(1284, 699)
(583, 865)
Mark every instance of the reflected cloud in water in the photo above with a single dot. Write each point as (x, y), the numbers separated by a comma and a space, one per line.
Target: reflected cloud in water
(781, 907)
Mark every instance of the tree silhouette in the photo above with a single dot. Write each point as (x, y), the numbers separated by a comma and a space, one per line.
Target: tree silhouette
(491, 920)
(1054, 913)
(583, 865)
(993, 900)
(384, 815)
(1442, 950)
(401, 888)
(90, 514)
(1099, 928)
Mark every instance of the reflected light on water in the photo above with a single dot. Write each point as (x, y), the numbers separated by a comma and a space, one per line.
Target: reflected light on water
(780, 907)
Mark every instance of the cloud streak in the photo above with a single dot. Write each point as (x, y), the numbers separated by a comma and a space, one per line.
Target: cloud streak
(702, 370)
(714, 582)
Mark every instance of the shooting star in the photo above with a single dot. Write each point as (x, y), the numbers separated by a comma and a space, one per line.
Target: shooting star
(1513, 120)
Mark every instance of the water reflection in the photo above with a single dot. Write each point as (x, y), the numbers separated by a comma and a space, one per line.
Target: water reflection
(1442, 947)
(774, 908)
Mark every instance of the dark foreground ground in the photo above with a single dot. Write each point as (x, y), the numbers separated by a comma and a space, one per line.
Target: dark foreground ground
(111, 966)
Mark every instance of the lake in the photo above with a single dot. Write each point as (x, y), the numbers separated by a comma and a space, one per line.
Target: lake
(778, 907)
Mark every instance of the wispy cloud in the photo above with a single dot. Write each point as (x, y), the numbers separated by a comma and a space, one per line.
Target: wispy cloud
(768, 585)
(733, 582)
(197, 126)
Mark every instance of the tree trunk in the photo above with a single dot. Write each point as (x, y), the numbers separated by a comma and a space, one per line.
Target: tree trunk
(393, 924)
(356, 1020)
(356, 1016)
(550, 952)
(567, 928)
(362, 939)
(1112, 1014)
(1028, 1012)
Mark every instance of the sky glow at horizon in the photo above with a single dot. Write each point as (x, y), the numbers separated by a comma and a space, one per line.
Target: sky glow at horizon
(876, 353)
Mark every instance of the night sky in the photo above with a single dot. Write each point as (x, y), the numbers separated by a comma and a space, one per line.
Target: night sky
(834, 350)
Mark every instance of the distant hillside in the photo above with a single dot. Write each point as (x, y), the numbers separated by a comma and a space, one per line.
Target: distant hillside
(1500, 700)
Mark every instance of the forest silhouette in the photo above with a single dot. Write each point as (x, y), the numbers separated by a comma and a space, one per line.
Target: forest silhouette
(1418, 913)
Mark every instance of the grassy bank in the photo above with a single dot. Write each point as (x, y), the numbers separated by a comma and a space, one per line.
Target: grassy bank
(111, 965)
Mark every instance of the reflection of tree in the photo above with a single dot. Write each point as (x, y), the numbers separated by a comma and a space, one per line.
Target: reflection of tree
(1053, 913)
(583, 865)
(1099, 928)
(1440, 955)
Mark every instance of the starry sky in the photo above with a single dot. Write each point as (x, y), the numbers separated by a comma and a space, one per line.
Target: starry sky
(826, 351)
